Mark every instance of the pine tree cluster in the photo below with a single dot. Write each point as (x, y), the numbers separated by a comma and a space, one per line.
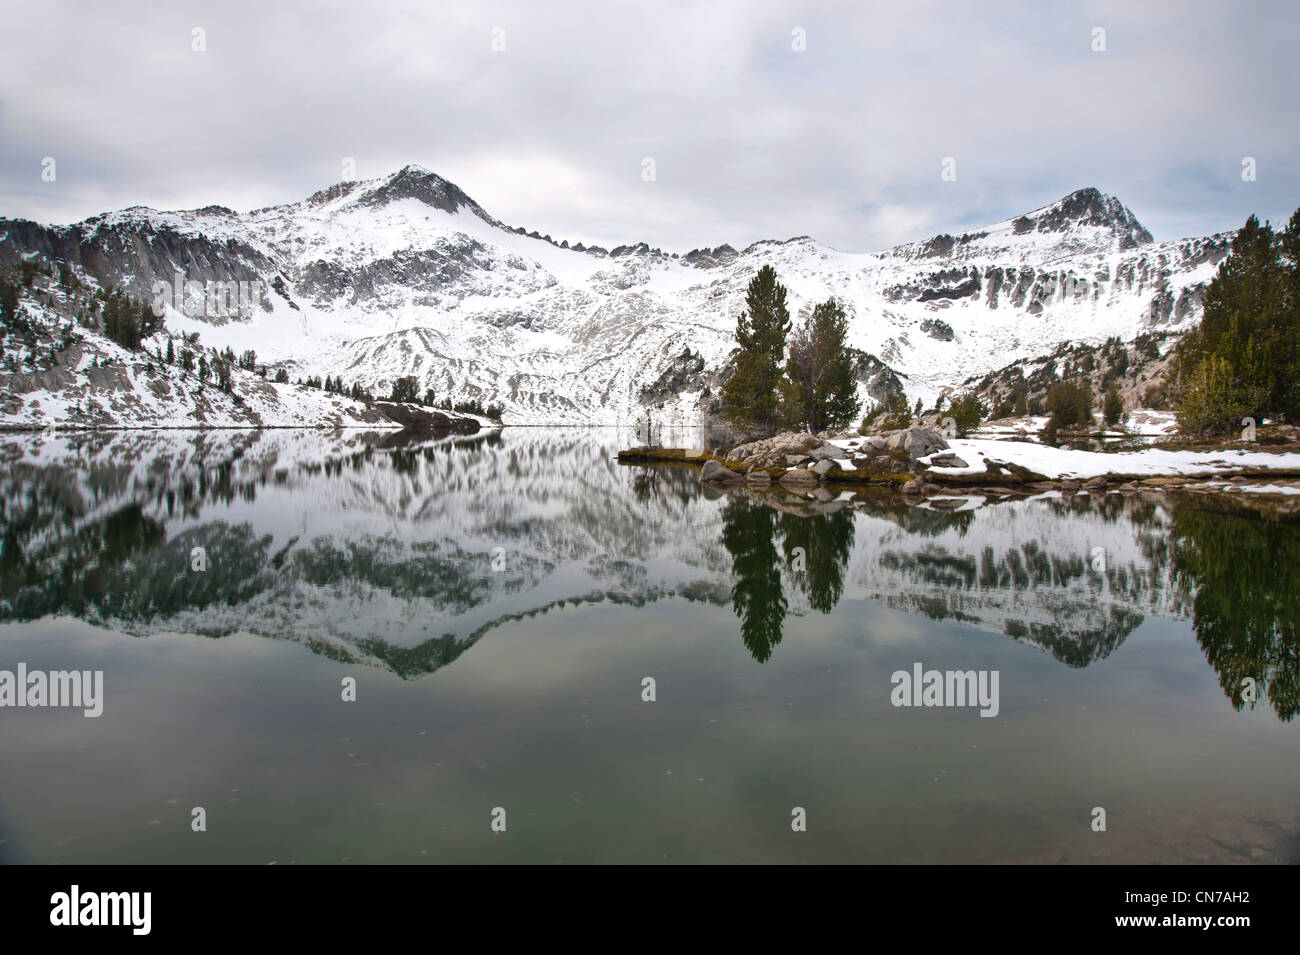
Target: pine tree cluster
(1243, 362)
(803, 380)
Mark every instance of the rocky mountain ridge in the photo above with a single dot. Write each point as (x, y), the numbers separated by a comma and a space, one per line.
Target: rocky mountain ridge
(408, 275)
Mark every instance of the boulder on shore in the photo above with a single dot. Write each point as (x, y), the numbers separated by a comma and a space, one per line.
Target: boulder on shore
(798, 478)
(917, 442)
(947, 460)
(773, 452)
(715, 472)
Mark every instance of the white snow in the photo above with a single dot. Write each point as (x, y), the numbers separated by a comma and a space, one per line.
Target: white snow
(560, 336)
(1066, 463)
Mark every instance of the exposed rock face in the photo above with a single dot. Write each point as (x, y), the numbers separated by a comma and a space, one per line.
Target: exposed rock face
(938, 330)
(710, 258)
(685, 373)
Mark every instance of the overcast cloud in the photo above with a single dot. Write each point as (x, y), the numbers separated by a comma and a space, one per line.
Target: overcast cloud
(750, 138)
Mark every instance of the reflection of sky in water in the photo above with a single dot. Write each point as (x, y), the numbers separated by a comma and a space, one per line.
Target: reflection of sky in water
(614, 574)
(544, 717)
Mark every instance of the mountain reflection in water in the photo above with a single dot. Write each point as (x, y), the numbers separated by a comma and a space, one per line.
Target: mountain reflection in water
(404, 557)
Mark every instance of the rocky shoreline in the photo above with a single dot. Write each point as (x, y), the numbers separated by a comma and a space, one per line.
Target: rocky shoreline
(904, 461)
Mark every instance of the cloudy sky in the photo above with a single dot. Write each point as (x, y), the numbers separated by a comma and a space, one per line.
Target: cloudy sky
(547, 112)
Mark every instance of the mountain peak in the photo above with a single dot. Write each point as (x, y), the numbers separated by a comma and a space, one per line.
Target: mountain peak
(1088, 206)
(416, 182)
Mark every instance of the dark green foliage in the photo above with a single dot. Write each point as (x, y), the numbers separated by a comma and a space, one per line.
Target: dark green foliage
(890, 415)
(749, 396)
(967, 412)
(474, 406)
(1070, 406)
(756, 597)
(1247, 621)
(1112, 407)
(9, 295)
(816, 550)
(404, 389)
(820, 389)
(1244, 359)
(1119, 362)
(121, 320)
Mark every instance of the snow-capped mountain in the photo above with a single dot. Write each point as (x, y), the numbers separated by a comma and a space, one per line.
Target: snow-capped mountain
(407, 275)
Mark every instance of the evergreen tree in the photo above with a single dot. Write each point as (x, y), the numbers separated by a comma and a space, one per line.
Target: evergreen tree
(404, 389)
(8, 302)
(1244, 359)
(820, 391)
(1070, 406)
(171, 352)
(889, 415)
(967, 412)
(1112, 408)
(749, 396)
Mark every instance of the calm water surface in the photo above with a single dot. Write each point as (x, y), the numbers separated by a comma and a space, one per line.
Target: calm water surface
(499, 601)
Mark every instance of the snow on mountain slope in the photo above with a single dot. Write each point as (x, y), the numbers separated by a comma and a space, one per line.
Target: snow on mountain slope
(408, 275)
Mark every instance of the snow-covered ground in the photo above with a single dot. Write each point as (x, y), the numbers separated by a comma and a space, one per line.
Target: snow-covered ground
(1149, 462)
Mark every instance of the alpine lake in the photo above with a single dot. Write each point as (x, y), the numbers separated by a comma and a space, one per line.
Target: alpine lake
(344, 647)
